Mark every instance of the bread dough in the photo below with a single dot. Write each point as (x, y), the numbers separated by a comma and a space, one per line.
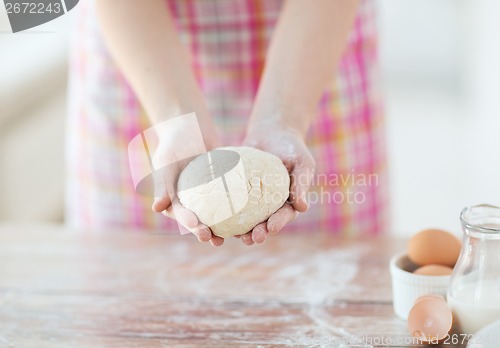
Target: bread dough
(233, 189)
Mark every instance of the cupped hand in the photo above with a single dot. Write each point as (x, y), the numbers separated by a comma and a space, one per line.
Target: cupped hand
(165, 181)
(290, 147)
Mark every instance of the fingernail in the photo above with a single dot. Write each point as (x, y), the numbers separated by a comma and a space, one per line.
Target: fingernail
(273, 228)
(259, 238)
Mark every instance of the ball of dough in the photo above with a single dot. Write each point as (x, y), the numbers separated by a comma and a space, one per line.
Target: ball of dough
(233, 189)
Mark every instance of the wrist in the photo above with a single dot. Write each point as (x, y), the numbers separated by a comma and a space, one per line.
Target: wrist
(271, 125)
(273, 110)
(295, 122)
(187, 129)
(170, 106)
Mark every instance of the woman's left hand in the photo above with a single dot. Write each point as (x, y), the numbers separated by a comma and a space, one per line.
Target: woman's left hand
(290, 147)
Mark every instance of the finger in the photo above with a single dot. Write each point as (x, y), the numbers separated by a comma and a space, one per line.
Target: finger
(237, 236)
(189, 220)
(217, 241)
(202, 232)
(184, 216)
(160, 204)
(247, 238)
(301, 178)
(283, 216)
(162, 185)
(259, 233)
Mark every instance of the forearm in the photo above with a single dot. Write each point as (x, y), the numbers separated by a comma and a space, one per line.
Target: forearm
(142, 40)
(306, 47)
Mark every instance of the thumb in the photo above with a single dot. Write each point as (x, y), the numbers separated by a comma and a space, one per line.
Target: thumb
(184, 216)
(162, 188)
(301, 178)
(161, 203)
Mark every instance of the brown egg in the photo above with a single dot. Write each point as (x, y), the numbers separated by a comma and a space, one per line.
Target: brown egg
(430, 319)
(434, 246)
(434, 270)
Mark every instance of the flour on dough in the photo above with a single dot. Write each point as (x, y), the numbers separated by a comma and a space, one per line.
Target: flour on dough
(233, 189)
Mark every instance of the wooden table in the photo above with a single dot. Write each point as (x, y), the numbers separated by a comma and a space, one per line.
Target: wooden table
(61, 288)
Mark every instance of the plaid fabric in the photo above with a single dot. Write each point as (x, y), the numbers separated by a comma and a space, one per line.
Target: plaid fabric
(227, 40)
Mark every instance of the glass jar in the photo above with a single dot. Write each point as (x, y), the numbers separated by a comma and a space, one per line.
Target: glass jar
(474, 291)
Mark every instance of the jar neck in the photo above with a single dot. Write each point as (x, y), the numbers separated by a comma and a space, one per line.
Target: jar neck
(481, 221)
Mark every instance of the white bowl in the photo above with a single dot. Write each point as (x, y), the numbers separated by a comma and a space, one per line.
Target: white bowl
(407, 287)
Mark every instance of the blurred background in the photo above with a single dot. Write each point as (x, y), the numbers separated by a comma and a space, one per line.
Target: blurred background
(440, 72)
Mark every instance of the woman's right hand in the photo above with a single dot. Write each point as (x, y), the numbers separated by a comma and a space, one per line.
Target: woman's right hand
(168, 163)
(158, 67)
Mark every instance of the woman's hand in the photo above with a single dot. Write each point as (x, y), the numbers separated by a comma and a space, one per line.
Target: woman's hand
(168, 168)
(289, 146)
(158, 67)
(290, 88)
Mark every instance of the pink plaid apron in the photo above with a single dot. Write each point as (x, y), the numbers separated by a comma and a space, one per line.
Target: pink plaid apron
(227, 40)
